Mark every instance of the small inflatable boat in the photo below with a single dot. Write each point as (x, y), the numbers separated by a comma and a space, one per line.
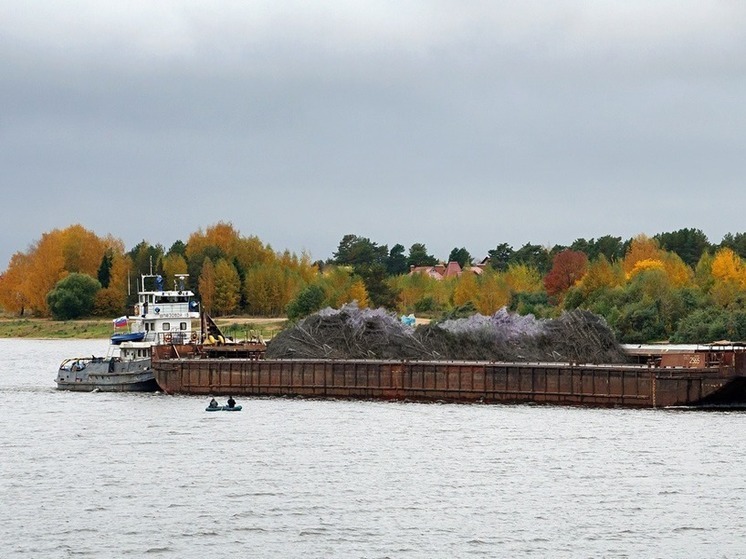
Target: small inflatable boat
(223, 408)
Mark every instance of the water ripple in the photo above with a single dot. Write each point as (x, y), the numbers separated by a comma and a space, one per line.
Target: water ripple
(108, 475)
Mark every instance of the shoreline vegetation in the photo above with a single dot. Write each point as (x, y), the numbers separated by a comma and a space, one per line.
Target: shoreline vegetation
(236, 327)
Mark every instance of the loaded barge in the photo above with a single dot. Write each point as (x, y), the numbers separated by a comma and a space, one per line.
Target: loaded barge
(710, 377)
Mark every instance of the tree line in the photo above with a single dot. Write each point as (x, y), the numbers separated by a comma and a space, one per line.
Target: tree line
(673, 286)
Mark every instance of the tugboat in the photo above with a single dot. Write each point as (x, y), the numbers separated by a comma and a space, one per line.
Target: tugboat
(160, 318)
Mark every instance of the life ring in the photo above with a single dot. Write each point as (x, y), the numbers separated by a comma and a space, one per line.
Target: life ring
(167, 337)
(194, 336)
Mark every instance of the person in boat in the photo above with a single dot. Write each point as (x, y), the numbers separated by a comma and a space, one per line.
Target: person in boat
(231, 402)
(213, 403)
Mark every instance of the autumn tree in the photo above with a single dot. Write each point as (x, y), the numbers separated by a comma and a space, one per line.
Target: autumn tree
(640, 248)
(466, 290)
(737, 243)
(411, 289)
(13, 285)
(58, 253)
(494, 292)
(729, 275)
(227, 287)
(173, 264)
(601, 274)
(522, 278)
(264, 290)
(568, 267)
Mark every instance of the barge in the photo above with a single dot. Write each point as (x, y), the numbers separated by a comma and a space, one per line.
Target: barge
(711, 377)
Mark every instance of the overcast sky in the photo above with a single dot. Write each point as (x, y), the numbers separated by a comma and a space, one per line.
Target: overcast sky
(454, 124)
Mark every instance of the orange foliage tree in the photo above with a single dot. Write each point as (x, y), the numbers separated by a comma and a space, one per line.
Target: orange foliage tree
(641, 248)
(31, 276)
(13, 284)
(568, 268)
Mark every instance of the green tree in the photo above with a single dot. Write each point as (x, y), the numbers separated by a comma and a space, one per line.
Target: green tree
(354, 251)
(500, 257)
(397, 261)
(418, 256)
(179, 247)
(460, 255)
(533, 255)
(610, 247)
(146, 257)
(737, 243)
(308, 301)
(375, 279)
(104, 270)
(689, 244)
(73, 297)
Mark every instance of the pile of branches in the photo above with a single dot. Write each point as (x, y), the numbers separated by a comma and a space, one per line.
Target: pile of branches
(347, 333)
(352, 333)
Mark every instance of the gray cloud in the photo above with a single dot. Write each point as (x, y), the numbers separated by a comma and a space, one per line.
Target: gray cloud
(453, 124)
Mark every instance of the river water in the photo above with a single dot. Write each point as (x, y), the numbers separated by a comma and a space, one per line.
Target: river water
(135, 475)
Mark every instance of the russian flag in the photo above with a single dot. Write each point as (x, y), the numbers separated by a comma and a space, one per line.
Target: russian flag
(121, 321)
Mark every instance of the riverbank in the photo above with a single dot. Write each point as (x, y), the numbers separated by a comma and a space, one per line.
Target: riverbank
(44, 328)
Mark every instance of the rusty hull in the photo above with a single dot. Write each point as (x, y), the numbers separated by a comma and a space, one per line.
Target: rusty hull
(636, 386)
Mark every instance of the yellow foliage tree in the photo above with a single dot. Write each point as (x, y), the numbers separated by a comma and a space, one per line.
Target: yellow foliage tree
(522, 278)
(645, 265)
(729, 277)
(264, 290)
(82, 250)
(410, 289)
(601, 274)
(227, 287)
(494, 292)
(222, 235)
(466, 289)
(250, 251)
(173, 264)
(120, 278)
(641, 248)
(678, 272)
(357, 292)
(727, 266)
